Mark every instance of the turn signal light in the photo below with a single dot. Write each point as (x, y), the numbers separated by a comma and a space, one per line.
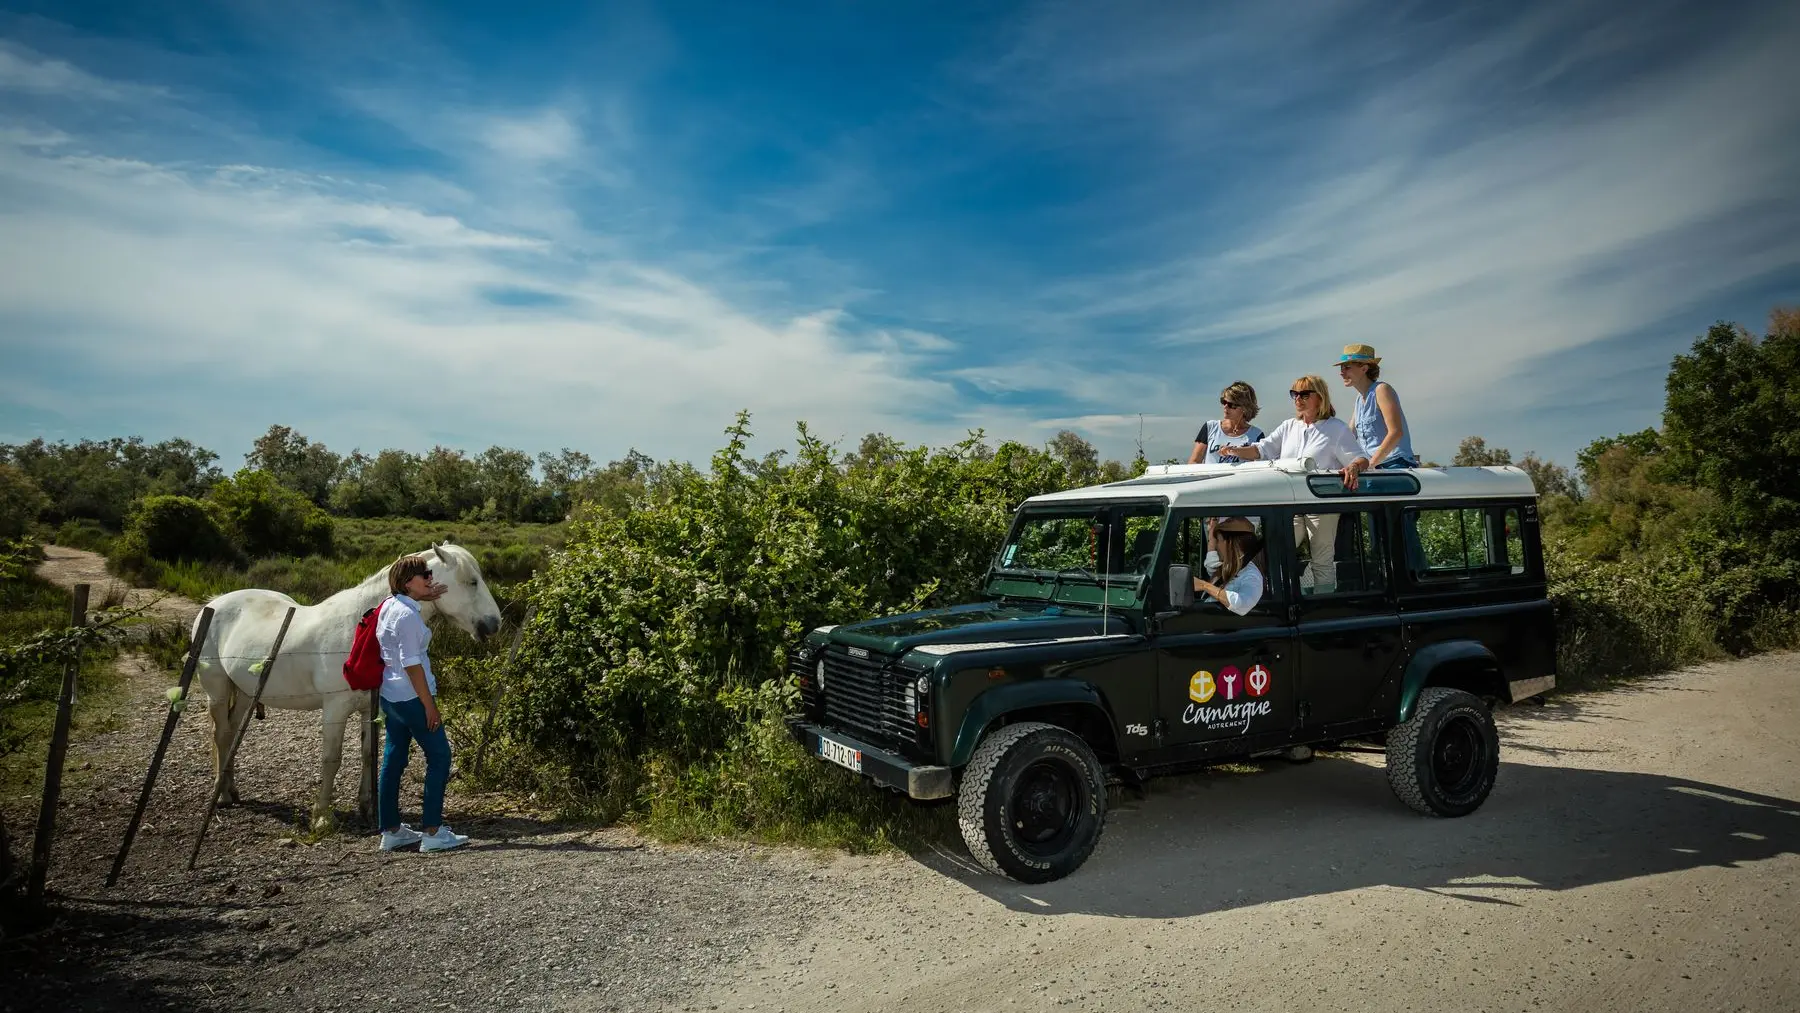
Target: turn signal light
(924, 720)
(996, 673)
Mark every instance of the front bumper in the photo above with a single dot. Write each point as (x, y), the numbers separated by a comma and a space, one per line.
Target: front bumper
(884, 768)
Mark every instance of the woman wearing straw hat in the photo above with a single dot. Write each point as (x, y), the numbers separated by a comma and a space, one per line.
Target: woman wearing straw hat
(1379, 422)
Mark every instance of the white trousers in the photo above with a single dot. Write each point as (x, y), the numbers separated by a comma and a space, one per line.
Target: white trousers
(1319, 532)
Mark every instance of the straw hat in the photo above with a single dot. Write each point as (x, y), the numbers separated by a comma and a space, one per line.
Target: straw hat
(1359, 353)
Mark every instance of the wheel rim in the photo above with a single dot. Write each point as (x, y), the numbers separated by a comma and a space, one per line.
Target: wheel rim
(1458, 756)
(1042, 808)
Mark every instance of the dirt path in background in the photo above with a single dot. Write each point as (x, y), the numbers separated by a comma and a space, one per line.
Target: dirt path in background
(1642, 851)
(66, 567)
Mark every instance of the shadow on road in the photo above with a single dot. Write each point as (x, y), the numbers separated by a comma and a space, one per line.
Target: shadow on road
(1209, 842)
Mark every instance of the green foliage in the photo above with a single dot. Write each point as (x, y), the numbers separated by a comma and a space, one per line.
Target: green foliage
(84, 534)
(21, 501)
(265, 518)
(36, 642)
(657, 646)
(174, 529)
(309, 469)
(102, 479)
(1731, 426)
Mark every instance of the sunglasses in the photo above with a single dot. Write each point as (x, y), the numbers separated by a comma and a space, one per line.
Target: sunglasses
(1299, 394)
(426, 574)
(1228, 404)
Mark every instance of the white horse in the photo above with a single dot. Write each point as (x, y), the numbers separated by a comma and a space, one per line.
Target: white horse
(309, 672)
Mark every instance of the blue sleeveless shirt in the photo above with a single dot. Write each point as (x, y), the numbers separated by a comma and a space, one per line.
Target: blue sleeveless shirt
(1371, 429)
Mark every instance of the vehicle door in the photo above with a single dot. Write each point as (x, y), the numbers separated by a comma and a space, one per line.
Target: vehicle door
(1221, 675)
(1348, 632)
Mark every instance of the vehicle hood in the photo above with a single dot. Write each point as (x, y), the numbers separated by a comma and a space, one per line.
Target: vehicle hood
(975, 624)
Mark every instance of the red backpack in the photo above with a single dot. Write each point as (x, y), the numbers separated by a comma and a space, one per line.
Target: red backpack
(363, 668)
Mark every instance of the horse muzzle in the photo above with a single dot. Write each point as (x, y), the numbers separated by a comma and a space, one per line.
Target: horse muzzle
(487, 627)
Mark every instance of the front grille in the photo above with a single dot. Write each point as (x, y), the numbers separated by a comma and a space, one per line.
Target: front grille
(867, 695)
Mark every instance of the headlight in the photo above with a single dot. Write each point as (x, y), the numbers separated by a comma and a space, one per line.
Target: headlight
(821, 673)
(924, 684)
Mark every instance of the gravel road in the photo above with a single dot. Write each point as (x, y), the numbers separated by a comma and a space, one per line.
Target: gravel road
(1639, 853)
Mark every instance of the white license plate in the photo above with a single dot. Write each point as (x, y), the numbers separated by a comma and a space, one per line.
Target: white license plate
(840, 754)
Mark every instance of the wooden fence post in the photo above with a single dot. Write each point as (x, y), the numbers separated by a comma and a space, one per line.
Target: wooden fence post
(59, 751)
(226, 765)
(176, 707)
(369, 806)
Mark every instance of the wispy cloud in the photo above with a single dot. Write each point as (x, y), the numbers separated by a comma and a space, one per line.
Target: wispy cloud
(28, 72)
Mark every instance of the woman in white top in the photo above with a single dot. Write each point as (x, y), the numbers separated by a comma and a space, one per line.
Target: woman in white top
(1239, 583)
(409, 709)
(1315, 431)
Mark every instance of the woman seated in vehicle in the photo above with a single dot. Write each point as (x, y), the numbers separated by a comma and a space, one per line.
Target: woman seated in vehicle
(1315, 431)
(1239, 581)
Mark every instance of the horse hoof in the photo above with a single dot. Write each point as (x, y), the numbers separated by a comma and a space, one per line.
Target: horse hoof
(326, 824)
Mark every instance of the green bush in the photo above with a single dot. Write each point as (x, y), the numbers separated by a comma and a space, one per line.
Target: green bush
(656, 651)
(174, 529)
(265, 518)
(21, 501)
(82, 533)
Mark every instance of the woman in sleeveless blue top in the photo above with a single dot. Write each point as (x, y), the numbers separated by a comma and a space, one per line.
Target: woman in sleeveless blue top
(1380, 422)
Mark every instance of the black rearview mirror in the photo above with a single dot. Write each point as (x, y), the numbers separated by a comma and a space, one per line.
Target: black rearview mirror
(1181, 586)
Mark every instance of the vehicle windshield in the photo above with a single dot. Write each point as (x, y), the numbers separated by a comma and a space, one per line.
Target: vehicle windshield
(1078, 553)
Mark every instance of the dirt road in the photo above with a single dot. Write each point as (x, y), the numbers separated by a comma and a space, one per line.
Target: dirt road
(1640, 852)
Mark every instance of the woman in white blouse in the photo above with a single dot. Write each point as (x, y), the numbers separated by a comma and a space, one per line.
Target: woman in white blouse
(1315, 431)
(1239, 582)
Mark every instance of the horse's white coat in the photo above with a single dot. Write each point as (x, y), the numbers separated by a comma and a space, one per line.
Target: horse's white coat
(309, 672)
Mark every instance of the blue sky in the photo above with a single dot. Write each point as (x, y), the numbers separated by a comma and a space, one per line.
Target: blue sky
(544, 225)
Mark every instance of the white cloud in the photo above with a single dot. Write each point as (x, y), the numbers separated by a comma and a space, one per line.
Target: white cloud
(22, 70)
(1474, 215)
(270, 273)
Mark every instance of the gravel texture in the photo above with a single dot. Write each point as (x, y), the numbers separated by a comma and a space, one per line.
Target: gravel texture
(1641, 851)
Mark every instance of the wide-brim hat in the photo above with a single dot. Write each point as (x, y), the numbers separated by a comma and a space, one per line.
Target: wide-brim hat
(1241, 525)
(1359, 353)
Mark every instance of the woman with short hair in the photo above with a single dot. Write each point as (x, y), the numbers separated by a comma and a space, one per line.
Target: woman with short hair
(1379, 422)
(1237, 406)
(409, 709)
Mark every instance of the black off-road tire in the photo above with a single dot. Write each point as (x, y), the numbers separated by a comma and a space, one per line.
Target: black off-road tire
(1443, 760)
(1032, 802)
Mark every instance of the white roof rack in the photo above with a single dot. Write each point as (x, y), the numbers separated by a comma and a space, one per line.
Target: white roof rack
(1256, 483)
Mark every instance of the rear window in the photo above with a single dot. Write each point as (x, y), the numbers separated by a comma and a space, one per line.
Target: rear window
(1370, 483)
(1465, 543)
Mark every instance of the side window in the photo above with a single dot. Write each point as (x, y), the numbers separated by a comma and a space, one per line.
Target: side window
(1340, 553)
(1464, 543)
(1197, 547)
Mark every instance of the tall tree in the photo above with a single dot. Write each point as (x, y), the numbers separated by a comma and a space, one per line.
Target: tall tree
(1731, 425)
(306, 467)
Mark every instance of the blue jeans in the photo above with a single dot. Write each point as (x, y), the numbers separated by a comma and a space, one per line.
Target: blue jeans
(405, 723)
(1398, 462)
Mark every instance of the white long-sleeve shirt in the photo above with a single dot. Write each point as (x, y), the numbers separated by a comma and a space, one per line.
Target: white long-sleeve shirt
(404, 639)
(1244, 590)
(1329, 442)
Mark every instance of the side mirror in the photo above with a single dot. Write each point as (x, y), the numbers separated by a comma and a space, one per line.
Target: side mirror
(1181, 586)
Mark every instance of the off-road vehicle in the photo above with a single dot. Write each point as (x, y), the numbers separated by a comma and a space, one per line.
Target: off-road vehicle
(1089, 659)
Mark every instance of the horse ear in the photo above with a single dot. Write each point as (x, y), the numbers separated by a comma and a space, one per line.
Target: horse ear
(440, 552)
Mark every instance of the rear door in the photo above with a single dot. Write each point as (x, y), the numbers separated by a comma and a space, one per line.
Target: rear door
(1349, 629)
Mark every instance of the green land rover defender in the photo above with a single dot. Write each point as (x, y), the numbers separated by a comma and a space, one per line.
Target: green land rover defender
(1399, 613)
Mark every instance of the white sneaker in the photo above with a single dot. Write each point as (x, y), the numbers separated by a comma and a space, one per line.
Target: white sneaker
(400, 838)
(443, 840)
